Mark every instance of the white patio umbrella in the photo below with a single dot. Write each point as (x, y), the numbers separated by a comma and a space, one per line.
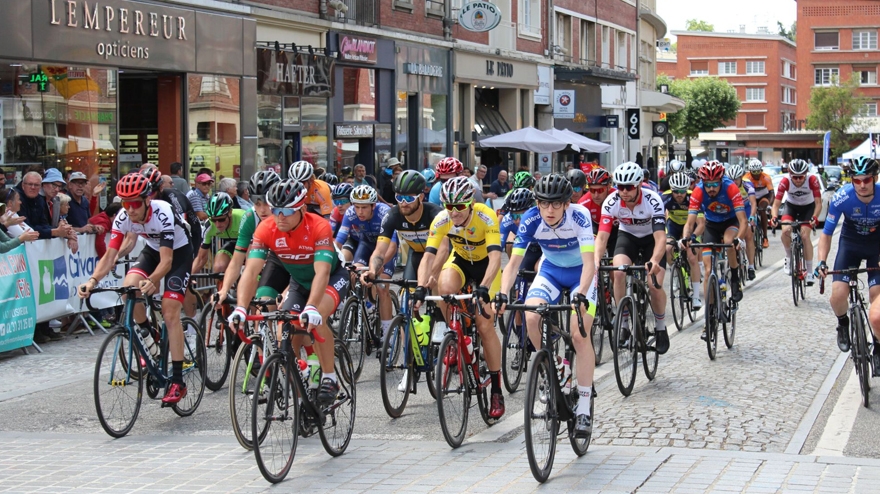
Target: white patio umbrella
(527, 139)
(584, 143)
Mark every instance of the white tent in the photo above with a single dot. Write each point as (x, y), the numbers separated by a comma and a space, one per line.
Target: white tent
(584, 143)
(527, 139)
(863, 149)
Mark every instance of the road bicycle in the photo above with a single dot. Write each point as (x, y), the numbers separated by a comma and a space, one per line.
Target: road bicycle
(634, 332)
(681, 292)
(758, 234)
(516, 349)
(604, 320)
(125, 364)
(719, 307)
(798, 265)
(220, 340)
(859, 328)
(552, 398)
(285, 405)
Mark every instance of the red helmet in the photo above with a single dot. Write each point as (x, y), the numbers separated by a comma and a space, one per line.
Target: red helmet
(599, 176)
(712, 171)
(449, 166)
(133, 186)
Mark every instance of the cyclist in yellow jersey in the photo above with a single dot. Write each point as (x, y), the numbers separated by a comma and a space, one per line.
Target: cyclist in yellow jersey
(473, 231)
(676, 200)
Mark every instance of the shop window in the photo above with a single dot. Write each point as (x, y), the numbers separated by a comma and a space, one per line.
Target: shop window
(726, 68)
(700, 68)
(755, 67)
(755, 120)
(827, 76)
(827, 40)
(314, 131)
(864, 40)
(432, 141)
(269, 133)
(359, 94)
(214, 125)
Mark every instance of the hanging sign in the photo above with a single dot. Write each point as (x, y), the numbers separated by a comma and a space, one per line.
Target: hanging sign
(479, 16)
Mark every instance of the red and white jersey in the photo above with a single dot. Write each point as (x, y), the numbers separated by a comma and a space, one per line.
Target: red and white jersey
(646, 217)
(807, 193)
(159, 230)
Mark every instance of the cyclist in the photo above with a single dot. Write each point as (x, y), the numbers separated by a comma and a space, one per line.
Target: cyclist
(167, 255)
(563, 231)
(515, 205)
(430, 177)
(178, 201)
(330, 179)
(673, 167)
(735, 173)
(447, 169)
(803, 203)
(599, 181)
(763, 185)
(224, 222)
(718, 198)
(472, 227)
(319, 197)
(341, 203)
(676, 201)
(578, 181)
(522, 180)
(303, 244)
(858, 205)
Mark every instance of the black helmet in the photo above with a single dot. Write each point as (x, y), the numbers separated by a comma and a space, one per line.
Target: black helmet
(331, 179)
(345, 171)
(553, 187)
(409, 183)
(287, 194)
(576, 177)
(260, 182)
(864, 165)
(519, 200)
(343, 191)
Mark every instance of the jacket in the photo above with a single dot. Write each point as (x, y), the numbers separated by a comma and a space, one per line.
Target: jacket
(36, 211)
(101, 219)
(7, 243)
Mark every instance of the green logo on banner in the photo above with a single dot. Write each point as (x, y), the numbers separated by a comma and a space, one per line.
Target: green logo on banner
(47, 287)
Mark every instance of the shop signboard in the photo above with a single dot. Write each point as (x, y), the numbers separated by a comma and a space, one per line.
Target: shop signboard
(290, 73)
(543, 93)
(18, 312)
(354, 131)
(563, 103)
(358, 49)
(479, 16)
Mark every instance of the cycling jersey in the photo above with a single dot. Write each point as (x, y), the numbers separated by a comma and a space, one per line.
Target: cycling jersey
(651, 185)
(249, 224)
(413, 234)
(335, 220)
(319, 195)
(763, 184)
(723, 206)
(563, 244)
(299, 249)
(677, 212)
(861, 222)
(158, 229)
(231, 231)
(362, 231)
(471, 242)
(646, 217)
(186, 214)
(807, 193)
(746, 189)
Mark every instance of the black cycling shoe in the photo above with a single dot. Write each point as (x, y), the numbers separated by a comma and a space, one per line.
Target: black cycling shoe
(737, 293)
(662, 342)
(843, 338)
(583, 426)
(327, 393)
(751, 274)
(703, 336)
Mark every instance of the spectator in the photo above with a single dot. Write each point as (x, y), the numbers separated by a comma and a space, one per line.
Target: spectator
(244, 196)
(207, 171)
(361, 177)
(34, 207)
(478, 177)
(78, 216)
(102, 221)
(500, 187)
(181, 184)
(7, 241)
(12, 199)
(230, 186)
(52, 185)
(344, 173)
(537, 176)
(467, 172)
(386, 182)
(64, 206)
(199, 195)
(2, 179)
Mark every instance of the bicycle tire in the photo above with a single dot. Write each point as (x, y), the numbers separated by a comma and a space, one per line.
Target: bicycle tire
(795, 271)
(678, 291)
(712, 314)
(193, 371)
(450, 381)
(108, 375)
(514, 345)
(274, 454)
(730, 325)
(570, 395)
(432, 366)
(650, 357)
(802, 269)
(244, 373)
(859, 352)
(541, 417)
(217, 349)
(395, 364)
(597, 338)
(353, 333)
(625, 355)
(478, 388)
(338, 424)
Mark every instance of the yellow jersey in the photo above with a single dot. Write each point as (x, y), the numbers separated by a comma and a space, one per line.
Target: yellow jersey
(471, 242)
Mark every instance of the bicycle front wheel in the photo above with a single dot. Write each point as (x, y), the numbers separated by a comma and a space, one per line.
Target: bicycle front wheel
(353, 333)
(453, 395)
(194, 361)
(678, 292)
(712, 314)
(245, 372)
(338, 424)
(650, 357)
(597, 337)
(513, 351)
(118, 391)
(625, 357)
(395, 369)
(730, 324)
(541, 417)
(859, 350)
(795, 268)
(275, 413)
(216, 347)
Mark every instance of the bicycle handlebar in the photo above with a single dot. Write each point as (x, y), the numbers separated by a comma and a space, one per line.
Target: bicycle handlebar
(627, 268)
(120, 290)
(284, 316)
(850, 271)
(450, 299)
(543, 308)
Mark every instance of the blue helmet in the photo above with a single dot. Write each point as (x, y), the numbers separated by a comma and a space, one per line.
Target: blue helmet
(429, 175)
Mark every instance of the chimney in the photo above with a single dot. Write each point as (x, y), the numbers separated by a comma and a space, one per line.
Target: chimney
(742, 28)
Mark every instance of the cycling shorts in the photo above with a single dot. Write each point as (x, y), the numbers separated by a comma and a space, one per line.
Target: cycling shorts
(472, 272)
(794, 212)
(851, 254)
(362, 256)
(177, 278)
(674, 230)
(337, 288)
(530, 258)
(227, 247)
(639, 250)
(714, 233)
(411, 271)
(551, 280)
(274, 278)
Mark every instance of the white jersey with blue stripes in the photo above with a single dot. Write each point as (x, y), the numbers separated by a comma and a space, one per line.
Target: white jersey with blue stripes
(563, 244)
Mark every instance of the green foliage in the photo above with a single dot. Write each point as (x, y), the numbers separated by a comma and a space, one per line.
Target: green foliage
(697, 25)
(788, 33)
(709, 103)
(835, 108)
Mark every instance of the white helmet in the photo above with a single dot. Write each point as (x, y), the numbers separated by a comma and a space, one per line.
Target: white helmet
(301, 171)
(364, 194)
(679, 181)
(755, 165)
(735, 171)
(675, 166)
(798, 167)
(628, 173)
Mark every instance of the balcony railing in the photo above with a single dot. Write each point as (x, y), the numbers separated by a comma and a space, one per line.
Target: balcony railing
(362, 12)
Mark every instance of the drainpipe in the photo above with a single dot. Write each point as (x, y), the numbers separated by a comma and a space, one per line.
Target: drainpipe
(550, 24)
(322, 8)
(447, 21)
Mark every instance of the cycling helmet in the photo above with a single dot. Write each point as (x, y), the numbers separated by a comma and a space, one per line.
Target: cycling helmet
(345, 171)
(675, 166)
(409, 183)
(458, 190)
(364, 194)
(343, 191)
(133, 186)
(429, 175)
(219, 205)
(300, 171)
(523, 180)
(154, 176)
(331, 179)
(449, 166)
(287, 194)
(599, 176)
(755, 166)
(519, 200)
(798, 167)
(260, 182)
(576, 177)
(864, 166)
(628, 173)
(712, 171)
(553, 187)
(679, 181)
(735, 171)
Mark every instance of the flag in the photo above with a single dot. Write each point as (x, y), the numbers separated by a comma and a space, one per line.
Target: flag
(826, 147)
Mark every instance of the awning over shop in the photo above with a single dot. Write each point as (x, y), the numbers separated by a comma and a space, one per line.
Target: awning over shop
(592, 75)
(489, 122)
(660, 102)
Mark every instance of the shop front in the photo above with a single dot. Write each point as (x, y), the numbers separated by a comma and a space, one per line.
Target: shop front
(103, 88)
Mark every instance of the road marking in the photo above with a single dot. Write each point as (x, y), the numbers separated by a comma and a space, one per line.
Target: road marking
(840, 423)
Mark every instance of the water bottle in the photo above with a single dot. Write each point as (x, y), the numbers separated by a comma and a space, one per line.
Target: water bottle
(565, 381)
(469, 344)
(314, 371)
(149, 342)
(303, 370)
(422, 330)
(723, 285)
(440, 330)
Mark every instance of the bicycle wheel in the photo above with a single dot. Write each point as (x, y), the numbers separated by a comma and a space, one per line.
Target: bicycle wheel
(275, 414)
(216, 349)
(338, 425)
(678, 293)
(396, 369)
(453, 397)
(570, 393)
(730, 324)
(245, 370)
(117, 392)
(193, 370)
(795, 271)
(513, 351)
(802, 278)
(859, 350)
(625, 357)
(541, 418)
(712, 314)
(650, 357)
(353, 333)
(597, 337)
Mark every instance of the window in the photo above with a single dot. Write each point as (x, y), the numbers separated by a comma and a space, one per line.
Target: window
(588, 41)
(866, 76)
(213, 84)
(530, 16)
(111, 82)
(606, 46)
(726, 68)
(754, 119)
(868, 110)
(827, 41)
(563, 36)
(827, 77)
(755, 67)
(864, 40)
(754, 94)
(435, 5)
(787, 70)
(789, 95)
(620, 60)
(699, 68)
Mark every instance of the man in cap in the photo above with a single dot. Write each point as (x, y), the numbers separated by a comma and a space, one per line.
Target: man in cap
(199, 195)
(78, 216)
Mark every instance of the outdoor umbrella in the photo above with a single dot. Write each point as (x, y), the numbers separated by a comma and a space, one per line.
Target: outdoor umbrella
(584, 143)
(527, 139)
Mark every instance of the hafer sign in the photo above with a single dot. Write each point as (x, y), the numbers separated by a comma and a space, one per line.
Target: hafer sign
(479, 16)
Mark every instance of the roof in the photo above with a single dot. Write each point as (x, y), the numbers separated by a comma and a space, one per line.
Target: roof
(707, 34)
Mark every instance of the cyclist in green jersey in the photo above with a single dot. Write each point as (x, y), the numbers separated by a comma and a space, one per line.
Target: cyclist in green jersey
(224, 223)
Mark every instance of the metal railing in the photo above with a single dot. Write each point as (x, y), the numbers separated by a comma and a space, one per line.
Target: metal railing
(362, 12)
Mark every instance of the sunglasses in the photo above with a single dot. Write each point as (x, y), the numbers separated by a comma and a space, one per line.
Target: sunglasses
(219, 219)
(598, 190)
(798, 177)
(207, 183)
(711, 185)
(679, 191)
(405, 199)
(863, 181)
(577, 189)
(458, 207)
(341, 202)
(516, 216)
(627, 187)
(132, 204)
(285, 211)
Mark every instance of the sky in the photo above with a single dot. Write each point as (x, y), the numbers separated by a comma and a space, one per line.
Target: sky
(727, 16)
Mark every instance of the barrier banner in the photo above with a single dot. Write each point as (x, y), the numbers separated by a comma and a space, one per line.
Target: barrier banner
(17, 305)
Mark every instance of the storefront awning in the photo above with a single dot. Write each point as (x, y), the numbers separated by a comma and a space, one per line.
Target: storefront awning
(489, 122)
(660, 102)
(592, 75)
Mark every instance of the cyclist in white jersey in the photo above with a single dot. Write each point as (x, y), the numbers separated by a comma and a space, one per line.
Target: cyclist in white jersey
(801, 194)
(167, 254)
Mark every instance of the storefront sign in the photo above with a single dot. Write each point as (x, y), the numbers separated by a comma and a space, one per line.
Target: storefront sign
(544, 162)
(633, 123)
(612, 121)
(354, 131)
(357, 49)
(294, 74)
(41, 80)
(542, 94)
(92, 116)
(504, 72)
(18, 316)
(563, 103)
(423, 69)
(479, 16)
(501, 69)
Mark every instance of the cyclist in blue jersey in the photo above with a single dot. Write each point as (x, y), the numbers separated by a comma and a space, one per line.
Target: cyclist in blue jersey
(446, 169)
(565, 234)
(858, 206)
(517, 203)
(341, 202)
(736, 173)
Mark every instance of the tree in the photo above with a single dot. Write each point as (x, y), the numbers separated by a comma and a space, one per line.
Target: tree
(791, 34)
(697, 25)
(836, 108)
(709, 102)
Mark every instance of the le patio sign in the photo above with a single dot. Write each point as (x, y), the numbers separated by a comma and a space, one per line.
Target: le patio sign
(479, 16)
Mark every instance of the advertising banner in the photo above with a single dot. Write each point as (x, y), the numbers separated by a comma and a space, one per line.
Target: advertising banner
(17, 308)
(563, 103)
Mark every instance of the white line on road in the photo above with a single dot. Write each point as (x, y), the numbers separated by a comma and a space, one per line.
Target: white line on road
(841, 421)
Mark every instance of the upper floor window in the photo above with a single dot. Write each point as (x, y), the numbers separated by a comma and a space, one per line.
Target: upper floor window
(864, 40)
(755, 67)
(530, 16)
(827, 77)
(754, 94)
(621, 58)
(726, 68)
(827, 40)
(868, 110)
(788, 95)
(588, 41)
(754, 120)
(788, 70)
(699, 68)
(866, 76)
